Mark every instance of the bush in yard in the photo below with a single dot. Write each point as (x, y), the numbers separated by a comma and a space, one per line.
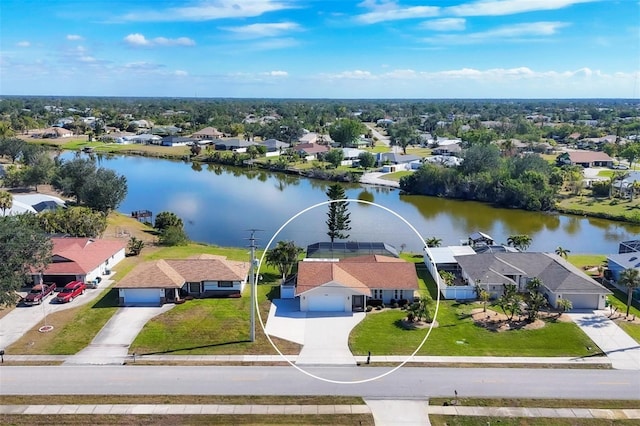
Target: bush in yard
(369, 308)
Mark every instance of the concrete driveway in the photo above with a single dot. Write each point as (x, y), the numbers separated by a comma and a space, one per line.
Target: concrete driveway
(23, 318)
(111, 344)
(324, 335)
(620, 348)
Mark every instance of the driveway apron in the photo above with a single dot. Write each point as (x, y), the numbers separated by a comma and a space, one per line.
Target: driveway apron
(111, 344)
(324, 335)
(391, 412)
(620, 348)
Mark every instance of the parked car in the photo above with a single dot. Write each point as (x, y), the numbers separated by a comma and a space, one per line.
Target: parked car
(71, 291)
(38, 293)
(620, 167)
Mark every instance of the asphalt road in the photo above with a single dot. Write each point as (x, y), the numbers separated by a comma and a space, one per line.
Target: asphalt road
(409, 382)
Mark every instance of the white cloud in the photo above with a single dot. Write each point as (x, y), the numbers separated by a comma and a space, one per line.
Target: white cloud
(180, 73)
(23, 43)
(391, 11)
(350, 75)
(509, 7)
(142, 66)
(139, 40)
(263, 30)
(505, 33)
(274, 44)
(207, 10)
(445, 24)
(276, 74)
(74, 37)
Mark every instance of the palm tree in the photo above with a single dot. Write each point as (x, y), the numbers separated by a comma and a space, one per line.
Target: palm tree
(6, 201)
(433, 242)
(521, 241)
(562, 252)
(284, 257)
(630, 278)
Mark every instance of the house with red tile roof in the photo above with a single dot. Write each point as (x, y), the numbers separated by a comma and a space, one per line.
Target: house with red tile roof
(168, 280)
(346, 285)
(81, 259)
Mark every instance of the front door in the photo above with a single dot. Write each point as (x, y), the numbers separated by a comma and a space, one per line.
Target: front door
(357, 303)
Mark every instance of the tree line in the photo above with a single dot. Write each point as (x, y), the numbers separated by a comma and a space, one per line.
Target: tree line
(526, 182)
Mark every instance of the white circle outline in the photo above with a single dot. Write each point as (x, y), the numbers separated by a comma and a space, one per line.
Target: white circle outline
(342, 382)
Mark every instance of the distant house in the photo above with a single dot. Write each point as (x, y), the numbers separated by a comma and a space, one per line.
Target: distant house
(176, 141)
(165, 130)
(311, 150)
(55, 132)
(80, 259)
(491, 271)
(627, 184)
(141, 124)
(348, 284)
(143, 138)
(274, 145)
(452, 149)
(392, 161)
(239, 145)
(33, 203)
(585, 159)
(156, 283)
(208, 133)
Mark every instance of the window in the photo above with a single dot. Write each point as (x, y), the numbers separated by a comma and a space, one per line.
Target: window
(225, 284)
(194, 287)
(377, 294)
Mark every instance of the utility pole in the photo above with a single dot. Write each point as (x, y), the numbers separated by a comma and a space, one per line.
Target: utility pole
(252, 283)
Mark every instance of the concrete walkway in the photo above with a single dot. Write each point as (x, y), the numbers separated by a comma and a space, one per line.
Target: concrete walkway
(620, 348)
(257, 359)
(417, 411)
(183, 409)
(111, 344)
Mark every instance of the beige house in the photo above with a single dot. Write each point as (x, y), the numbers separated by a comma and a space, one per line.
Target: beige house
(162, 281)
(346, 285)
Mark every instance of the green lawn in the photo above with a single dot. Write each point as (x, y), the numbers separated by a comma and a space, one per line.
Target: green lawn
(457, 335)
(210, 327)
(615, 208)
(396, 175)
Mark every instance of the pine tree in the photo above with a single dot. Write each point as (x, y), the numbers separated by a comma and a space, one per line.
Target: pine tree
(338, 216)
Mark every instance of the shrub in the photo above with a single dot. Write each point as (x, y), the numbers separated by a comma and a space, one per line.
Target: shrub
(374, 302)
(378, 308)
(369, 308)
(392, 302)
(403, 303)
(394, 305)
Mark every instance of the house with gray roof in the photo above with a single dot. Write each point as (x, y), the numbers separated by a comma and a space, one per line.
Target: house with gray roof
(233, 145)
(491, 271)
(274, 145)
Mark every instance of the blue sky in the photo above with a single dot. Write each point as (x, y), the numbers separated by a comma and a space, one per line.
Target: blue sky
(321, 48)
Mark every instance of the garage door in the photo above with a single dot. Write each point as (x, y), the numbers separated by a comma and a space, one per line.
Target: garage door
(141, 296)
(583, 301)
(60, 280)
(326, 303)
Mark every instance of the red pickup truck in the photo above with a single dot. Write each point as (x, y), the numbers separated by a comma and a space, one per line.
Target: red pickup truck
(38, 293)
(71, 291)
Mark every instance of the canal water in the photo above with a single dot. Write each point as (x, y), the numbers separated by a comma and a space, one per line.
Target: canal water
(220, 204)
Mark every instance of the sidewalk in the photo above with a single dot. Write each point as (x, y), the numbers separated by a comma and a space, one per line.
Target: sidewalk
(222, 359)
(220, 409)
